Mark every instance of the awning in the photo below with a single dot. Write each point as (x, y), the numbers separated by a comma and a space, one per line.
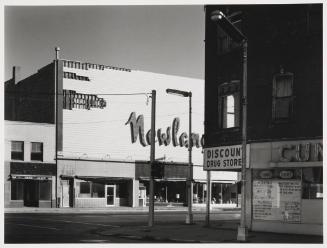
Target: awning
(29, 177)
(164, 179)
(103, 180)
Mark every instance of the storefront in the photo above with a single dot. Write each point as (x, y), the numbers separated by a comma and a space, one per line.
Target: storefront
(170, 187)
(287, 187)
(86, 183)
(31, 184)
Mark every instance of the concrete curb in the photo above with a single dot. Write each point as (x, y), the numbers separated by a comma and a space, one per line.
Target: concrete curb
(116, 210)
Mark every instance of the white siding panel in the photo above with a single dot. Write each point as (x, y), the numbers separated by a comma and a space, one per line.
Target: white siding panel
(102, 132)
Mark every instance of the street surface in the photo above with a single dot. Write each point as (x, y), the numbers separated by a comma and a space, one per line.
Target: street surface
(87, 227)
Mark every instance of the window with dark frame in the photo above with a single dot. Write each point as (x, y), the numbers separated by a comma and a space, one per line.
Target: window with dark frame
(229, 104)
(312, 183)
(282, 102)
(17, 190)
(37, 151)
(85, 188)
(17, 150)
(45, 190)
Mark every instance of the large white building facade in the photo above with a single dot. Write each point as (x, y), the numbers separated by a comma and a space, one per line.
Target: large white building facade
(103, 117)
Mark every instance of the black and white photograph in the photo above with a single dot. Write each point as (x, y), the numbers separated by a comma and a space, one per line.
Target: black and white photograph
(196, 123)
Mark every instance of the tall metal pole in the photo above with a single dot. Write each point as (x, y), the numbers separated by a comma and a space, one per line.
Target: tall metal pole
(208, 198)
(189, 218)
(57, 49)
(242, 229)
(152, 158)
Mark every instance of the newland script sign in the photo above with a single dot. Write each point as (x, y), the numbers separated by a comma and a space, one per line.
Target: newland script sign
(164, 137)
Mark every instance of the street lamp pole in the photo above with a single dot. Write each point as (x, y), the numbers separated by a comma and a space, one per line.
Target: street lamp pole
(152, 158)
(189, 220)
(189, 217)
(230, 29)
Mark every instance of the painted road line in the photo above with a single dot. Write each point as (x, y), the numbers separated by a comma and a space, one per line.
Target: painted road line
(77, 222)
(51, 228)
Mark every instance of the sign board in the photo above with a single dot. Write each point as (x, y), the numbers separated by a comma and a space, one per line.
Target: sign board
(277, 200)
(224, 157)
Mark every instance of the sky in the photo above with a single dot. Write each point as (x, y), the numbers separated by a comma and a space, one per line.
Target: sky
(161, 39)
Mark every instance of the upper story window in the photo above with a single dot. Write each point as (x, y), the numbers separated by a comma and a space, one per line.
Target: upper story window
(17, 150)
(282, 102)
(229, 104)
(37, 151)
(224, 42)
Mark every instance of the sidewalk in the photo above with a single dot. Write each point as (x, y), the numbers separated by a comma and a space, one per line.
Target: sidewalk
(218, 232)
(113, 209)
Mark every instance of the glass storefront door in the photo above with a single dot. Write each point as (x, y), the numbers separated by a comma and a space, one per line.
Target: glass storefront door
(110, 195)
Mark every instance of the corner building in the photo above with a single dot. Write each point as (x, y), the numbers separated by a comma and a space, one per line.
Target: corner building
(102, 160)
(284, 174)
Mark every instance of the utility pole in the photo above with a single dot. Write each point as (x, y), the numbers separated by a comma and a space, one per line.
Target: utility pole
(208, 198)
(231, 30)
(57, 49)
(152, 159)
(242, 233)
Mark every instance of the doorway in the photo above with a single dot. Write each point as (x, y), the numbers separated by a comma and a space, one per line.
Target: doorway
(31, 193)
(110, 195)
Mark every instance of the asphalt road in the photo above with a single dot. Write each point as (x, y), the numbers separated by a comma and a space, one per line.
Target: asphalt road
(85, 228)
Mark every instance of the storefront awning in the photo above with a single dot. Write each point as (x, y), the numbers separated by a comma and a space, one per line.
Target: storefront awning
(103, 179)
(163, 179)
(29, 177)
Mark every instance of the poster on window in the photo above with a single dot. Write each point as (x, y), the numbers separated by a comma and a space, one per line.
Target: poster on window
(277, 200)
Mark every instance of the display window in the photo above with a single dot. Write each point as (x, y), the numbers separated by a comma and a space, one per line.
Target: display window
(312, 183)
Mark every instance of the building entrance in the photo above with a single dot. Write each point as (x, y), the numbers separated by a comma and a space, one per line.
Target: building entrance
(31, 193)
(110, 195)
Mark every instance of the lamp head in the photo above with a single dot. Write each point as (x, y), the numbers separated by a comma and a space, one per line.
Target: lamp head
(227, 26)
(179, 92)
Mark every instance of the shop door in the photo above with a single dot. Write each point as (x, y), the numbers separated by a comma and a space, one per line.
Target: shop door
(31, 193)
(65, 194)
(110, 195)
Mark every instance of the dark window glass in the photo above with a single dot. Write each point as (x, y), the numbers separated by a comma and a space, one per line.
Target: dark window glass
(45, 190)
(85, 188)
(17, 150)
(37, 151)
(282, 96)
(121, 190)
(97, 190)
(17, 190)
(312, 183)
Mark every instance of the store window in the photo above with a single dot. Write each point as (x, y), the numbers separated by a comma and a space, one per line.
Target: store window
(312, 183)
(45, 190)
(229, 104)
(17, 150)
(17, 190)
(85, 188)
(97, 190)
(282, 101)
(91, 190)
(37, 151)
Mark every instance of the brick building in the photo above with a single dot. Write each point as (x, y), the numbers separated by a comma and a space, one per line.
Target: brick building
(284, 110)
